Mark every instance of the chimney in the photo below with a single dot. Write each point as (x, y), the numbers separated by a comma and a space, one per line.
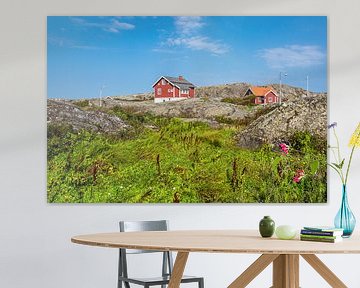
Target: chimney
(181, 77)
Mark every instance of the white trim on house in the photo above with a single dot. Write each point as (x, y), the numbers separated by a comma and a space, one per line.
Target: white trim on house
(158, 80)
(271, 91)
(168, 99)
(166, 80)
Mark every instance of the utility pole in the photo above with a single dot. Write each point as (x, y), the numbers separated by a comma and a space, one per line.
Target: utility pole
(281, 74)
(100, 94)
(307, 85)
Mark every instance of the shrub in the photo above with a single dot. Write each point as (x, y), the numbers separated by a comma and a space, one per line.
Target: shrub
(305, 142)
(245, 101)
(82, 103)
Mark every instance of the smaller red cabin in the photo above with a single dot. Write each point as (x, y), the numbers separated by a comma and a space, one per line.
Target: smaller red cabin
(168, 88)
(263, 95)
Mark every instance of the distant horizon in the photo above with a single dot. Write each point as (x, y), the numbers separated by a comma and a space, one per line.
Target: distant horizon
(126, 55)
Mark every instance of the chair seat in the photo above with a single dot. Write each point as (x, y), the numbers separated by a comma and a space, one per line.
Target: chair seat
(158, 280)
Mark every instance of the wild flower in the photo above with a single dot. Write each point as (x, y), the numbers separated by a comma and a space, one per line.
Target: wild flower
(300, 173)
(339, 163)
(355, 138)
(332, 125)
(284, 148)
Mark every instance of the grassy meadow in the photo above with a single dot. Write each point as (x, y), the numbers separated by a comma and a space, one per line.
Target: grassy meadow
(162, 160)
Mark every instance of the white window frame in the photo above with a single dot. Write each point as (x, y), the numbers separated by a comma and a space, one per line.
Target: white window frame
(159, 91)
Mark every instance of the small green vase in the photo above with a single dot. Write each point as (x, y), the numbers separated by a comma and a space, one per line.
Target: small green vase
(267, 227)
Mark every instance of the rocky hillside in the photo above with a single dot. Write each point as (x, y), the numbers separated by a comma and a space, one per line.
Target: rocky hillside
(298, 112)
(133, 97)
(200, 108)
(307, 114)
(291, 93)
(226, 91)
(64, 112)
(208, 103)
(222, 91)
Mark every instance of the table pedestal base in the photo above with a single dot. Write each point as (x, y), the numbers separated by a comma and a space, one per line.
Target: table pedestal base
(286, 271)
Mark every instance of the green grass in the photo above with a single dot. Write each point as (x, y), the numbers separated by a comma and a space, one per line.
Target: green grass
(179, 162)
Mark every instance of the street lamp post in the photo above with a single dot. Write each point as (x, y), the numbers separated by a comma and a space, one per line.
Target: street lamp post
(281, 75)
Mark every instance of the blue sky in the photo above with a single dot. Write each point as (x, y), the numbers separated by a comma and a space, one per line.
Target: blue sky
(128, 54)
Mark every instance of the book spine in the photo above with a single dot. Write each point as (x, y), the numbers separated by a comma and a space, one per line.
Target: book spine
(318, 239)
(319, 236)
(320, 233)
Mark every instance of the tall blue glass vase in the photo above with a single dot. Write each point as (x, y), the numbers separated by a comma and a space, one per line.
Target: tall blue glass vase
(345, 219)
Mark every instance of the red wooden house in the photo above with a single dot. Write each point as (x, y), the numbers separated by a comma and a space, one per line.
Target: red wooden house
(263, 95)
(173, 89)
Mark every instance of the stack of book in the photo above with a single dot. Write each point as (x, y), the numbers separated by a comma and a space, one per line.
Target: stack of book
(321, 234)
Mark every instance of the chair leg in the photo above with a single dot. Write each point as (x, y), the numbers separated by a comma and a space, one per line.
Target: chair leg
(201, 283)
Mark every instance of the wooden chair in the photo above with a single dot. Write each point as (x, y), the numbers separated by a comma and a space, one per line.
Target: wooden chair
(167, 262)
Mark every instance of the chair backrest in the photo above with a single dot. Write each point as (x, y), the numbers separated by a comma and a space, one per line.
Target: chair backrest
(134, 226)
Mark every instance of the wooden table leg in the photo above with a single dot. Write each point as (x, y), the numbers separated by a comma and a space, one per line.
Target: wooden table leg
(178, 270)
(324, 271)
(293, 264)
(253, 270)
(286, 271)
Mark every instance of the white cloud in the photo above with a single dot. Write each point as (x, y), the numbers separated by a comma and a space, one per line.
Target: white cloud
(293, 56)
(188, 24)
(67, 43)
(188, 35)
(199, 43)
(113, 25)
(163, 50)
(122, 25)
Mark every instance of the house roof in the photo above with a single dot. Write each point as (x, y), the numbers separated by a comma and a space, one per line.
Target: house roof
(182, 84)
(261, 91)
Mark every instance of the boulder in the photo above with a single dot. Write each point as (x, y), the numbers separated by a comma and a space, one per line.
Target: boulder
(307, 114)
(64, 112)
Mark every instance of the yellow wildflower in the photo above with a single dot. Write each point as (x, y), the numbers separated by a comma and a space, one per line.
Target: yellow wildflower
(355, 138)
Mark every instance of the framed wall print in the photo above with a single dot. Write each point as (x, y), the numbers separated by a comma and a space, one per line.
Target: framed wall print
(187, 109)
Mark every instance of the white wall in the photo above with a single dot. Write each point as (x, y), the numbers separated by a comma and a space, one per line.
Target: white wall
(35, 248)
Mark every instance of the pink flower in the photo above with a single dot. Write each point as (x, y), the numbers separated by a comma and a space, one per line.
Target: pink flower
(284, 148)
(300, 173)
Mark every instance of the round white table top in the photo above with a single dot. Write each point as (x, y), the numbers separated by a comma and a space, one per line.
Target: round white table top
(221, 241)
